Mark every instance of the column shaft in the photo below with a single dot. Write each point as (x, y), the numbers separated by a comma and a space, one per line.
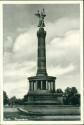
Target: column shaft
(41, 64)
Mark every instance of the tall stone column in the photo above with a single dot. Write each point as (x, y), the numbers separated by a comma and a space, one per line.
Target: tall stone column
(41, 59)
(42, 82)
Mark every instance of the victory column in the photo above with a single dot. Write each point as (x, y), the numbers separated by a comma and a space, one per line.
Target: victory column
(41, 86)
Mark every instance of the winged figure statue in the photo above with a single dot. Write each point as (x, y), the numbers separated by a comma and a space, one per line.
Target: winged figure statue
(41, 16)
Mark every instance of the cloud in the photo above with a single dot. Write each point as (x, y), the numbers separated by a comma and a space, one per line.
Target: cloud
(60, 70)
(61, 26)
(64, 50)
(69, 80)
(8, 43)
(18, 89)
(25, 46)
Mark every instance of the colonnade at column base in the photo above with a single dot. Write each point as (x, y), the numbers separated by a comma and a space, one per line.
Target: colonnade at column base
(41, 83)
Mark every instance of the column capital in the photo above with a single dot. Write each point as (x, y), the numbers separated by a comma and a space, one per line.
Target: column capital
(41, 32)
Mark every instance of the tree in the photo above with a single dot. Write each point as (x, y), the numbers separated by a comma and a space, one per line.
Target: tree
(74, 99)
(25, 98)
(73, 91)
(67, 91)
(13, 100)
(19, 101)
(59, 91)
(5, 98)
(71, 96)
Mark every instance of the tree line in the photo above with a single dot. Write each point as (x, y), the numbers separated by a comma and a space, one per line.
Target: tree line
(70, 97)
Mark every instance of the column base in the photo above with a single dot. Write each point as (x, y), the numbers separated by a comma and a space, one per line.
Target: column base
(41, 72)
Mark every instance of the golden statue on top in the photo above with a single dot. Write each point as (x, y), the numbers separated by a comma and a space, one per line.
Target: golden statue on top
(41, 18)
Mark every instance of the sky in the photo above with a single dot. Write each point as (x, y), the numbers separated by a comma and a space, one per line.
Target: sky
(20, 45)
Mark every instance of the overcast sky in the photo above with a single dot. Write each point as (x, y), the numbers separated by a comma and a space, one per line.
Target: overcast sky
(20, 45)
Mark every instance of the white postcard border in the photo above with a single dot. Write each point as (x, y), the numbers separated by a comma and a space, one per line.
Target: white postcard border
(1, 60)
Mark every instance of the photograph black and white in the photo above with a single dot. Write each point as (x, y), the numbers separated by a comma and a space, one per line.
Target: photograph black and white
(42, 62)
